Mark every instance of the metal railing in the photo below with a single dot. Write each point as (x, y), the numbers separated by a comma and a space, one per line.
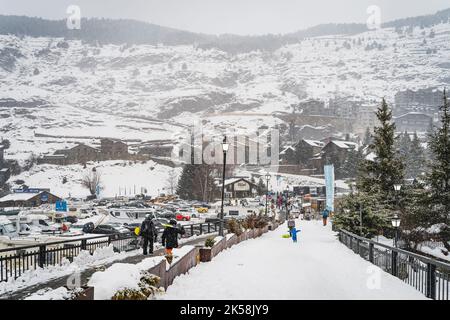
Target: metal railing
(429, 276)
(18, 260)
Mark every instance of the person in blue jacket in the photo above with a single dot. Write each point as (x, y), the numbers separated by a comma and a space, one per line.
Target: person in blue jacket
(293, 233)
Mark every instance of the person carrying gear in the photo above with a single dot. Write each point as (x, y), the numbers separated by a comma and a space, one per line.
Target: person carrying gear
(293, 233)
(169, 237)
(149, 233)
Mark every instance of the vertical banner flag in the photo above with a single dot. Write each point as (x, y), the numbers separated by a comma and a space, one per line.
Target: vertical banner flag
(329, 185)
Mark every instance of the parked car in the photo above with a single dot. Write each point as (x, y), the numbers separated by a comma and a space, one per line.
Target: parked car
(188, 211)
(182, 216)
(202, 209)
(111, 229)
(166, 214)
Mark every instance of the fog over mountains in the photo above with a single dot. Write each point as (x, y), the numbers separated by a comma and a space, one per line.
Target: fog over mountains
(110, 31)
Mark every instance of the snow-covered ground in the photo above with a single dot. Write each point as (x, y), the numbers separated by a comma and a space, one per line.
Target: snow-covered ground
(117, 178)
(81, 262)
(272, 267)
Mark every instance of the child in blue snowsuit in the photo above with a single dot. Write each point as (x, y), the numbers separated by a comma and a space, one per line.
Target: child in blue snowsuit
(293, 233)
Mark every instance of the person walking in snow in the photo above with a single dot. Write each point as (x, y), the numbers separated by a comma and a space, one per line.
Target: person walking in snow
(149, 233)
(325, 214)
(169, 237)
(293, 233)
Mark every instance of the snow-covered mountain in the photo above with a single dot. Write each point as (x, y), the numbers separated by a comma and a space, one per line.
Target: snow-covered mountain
(54, 92)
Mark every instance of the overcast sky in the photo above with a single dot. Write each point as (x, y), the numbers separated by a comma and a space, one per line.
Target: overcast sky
(228, 16)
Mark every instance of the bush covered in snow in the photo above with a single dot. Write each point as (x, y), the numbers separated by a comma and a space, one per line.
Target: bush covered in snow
(209, 242)
(147, 289)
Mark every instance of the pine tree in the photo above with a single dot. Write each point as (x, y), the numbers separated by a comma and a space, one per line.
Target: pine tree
(438, 178)
(380, 175)
(416, 159)
(184, 188)
(367, 137)
(261, 187)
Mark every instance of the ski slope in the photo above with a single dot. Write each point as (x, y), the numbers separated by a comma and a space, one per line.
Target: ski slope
(318, 266)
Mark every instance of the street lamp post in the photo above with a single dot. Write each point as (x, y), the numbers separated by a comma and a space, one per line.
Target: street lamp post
(396, 220)
(225, 146)
(267, 187)
(396, 224)
(397, 188)
(360, 220)
(287, 200)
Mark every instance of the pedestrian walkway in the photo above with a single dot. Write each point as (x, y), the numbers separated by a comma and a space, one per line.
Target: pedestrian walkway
(318, 266)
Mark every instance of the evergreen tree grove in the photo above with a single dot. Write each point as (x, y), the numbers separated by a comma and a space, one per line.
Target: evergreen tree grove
(438, 177)
(380, 175)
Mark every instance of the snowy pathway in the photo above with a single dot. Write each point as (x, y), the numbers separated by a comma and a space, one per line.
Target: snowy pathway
(271, 267)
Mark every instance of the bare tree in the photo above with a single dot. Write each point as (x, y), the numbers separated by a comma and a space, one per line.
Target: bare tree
(172, 181)
(92, 181)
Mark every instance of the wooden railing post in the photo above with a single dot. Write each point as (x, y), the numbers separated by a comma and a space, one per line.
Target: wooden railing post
(431, 281)
(42, 253)
(371, 252)
(201, 228)
(394, 263)
(83, 244)
(192, 230)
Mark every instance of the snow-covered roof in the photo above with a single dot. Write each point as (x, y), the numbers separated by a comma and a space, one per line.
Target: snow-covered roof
(314, 143)
(345, 144)
(413, 113)
(371, 156)
(19, 196)
(234, 180)
(286, 149)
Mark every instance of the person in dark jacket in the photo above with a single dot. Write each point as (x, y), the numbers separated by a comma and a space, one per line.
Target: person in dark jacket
(169, 237)
(325, 214)
(149, 233)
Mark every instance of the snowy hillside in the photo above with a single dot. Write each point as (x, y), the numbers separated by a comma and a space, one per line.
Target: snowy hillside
(54, 93)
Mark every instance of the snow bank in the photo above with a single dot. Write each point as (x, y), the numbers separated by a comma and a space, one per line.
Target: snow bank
(48, 294)
(81, 262)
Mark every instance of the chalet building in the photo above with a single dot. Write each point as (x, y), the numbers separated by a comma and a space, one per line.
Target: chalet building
(57, 159)
(413, 122)
(333, 151)
(305, 149)
(339, 148)
(164, 151)
(287, 155)
(239, 188)
(112, 150)
(423, 100)
(82, 153)
(5, 173)
(365, 118)
(315, 107)
(28, 198)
